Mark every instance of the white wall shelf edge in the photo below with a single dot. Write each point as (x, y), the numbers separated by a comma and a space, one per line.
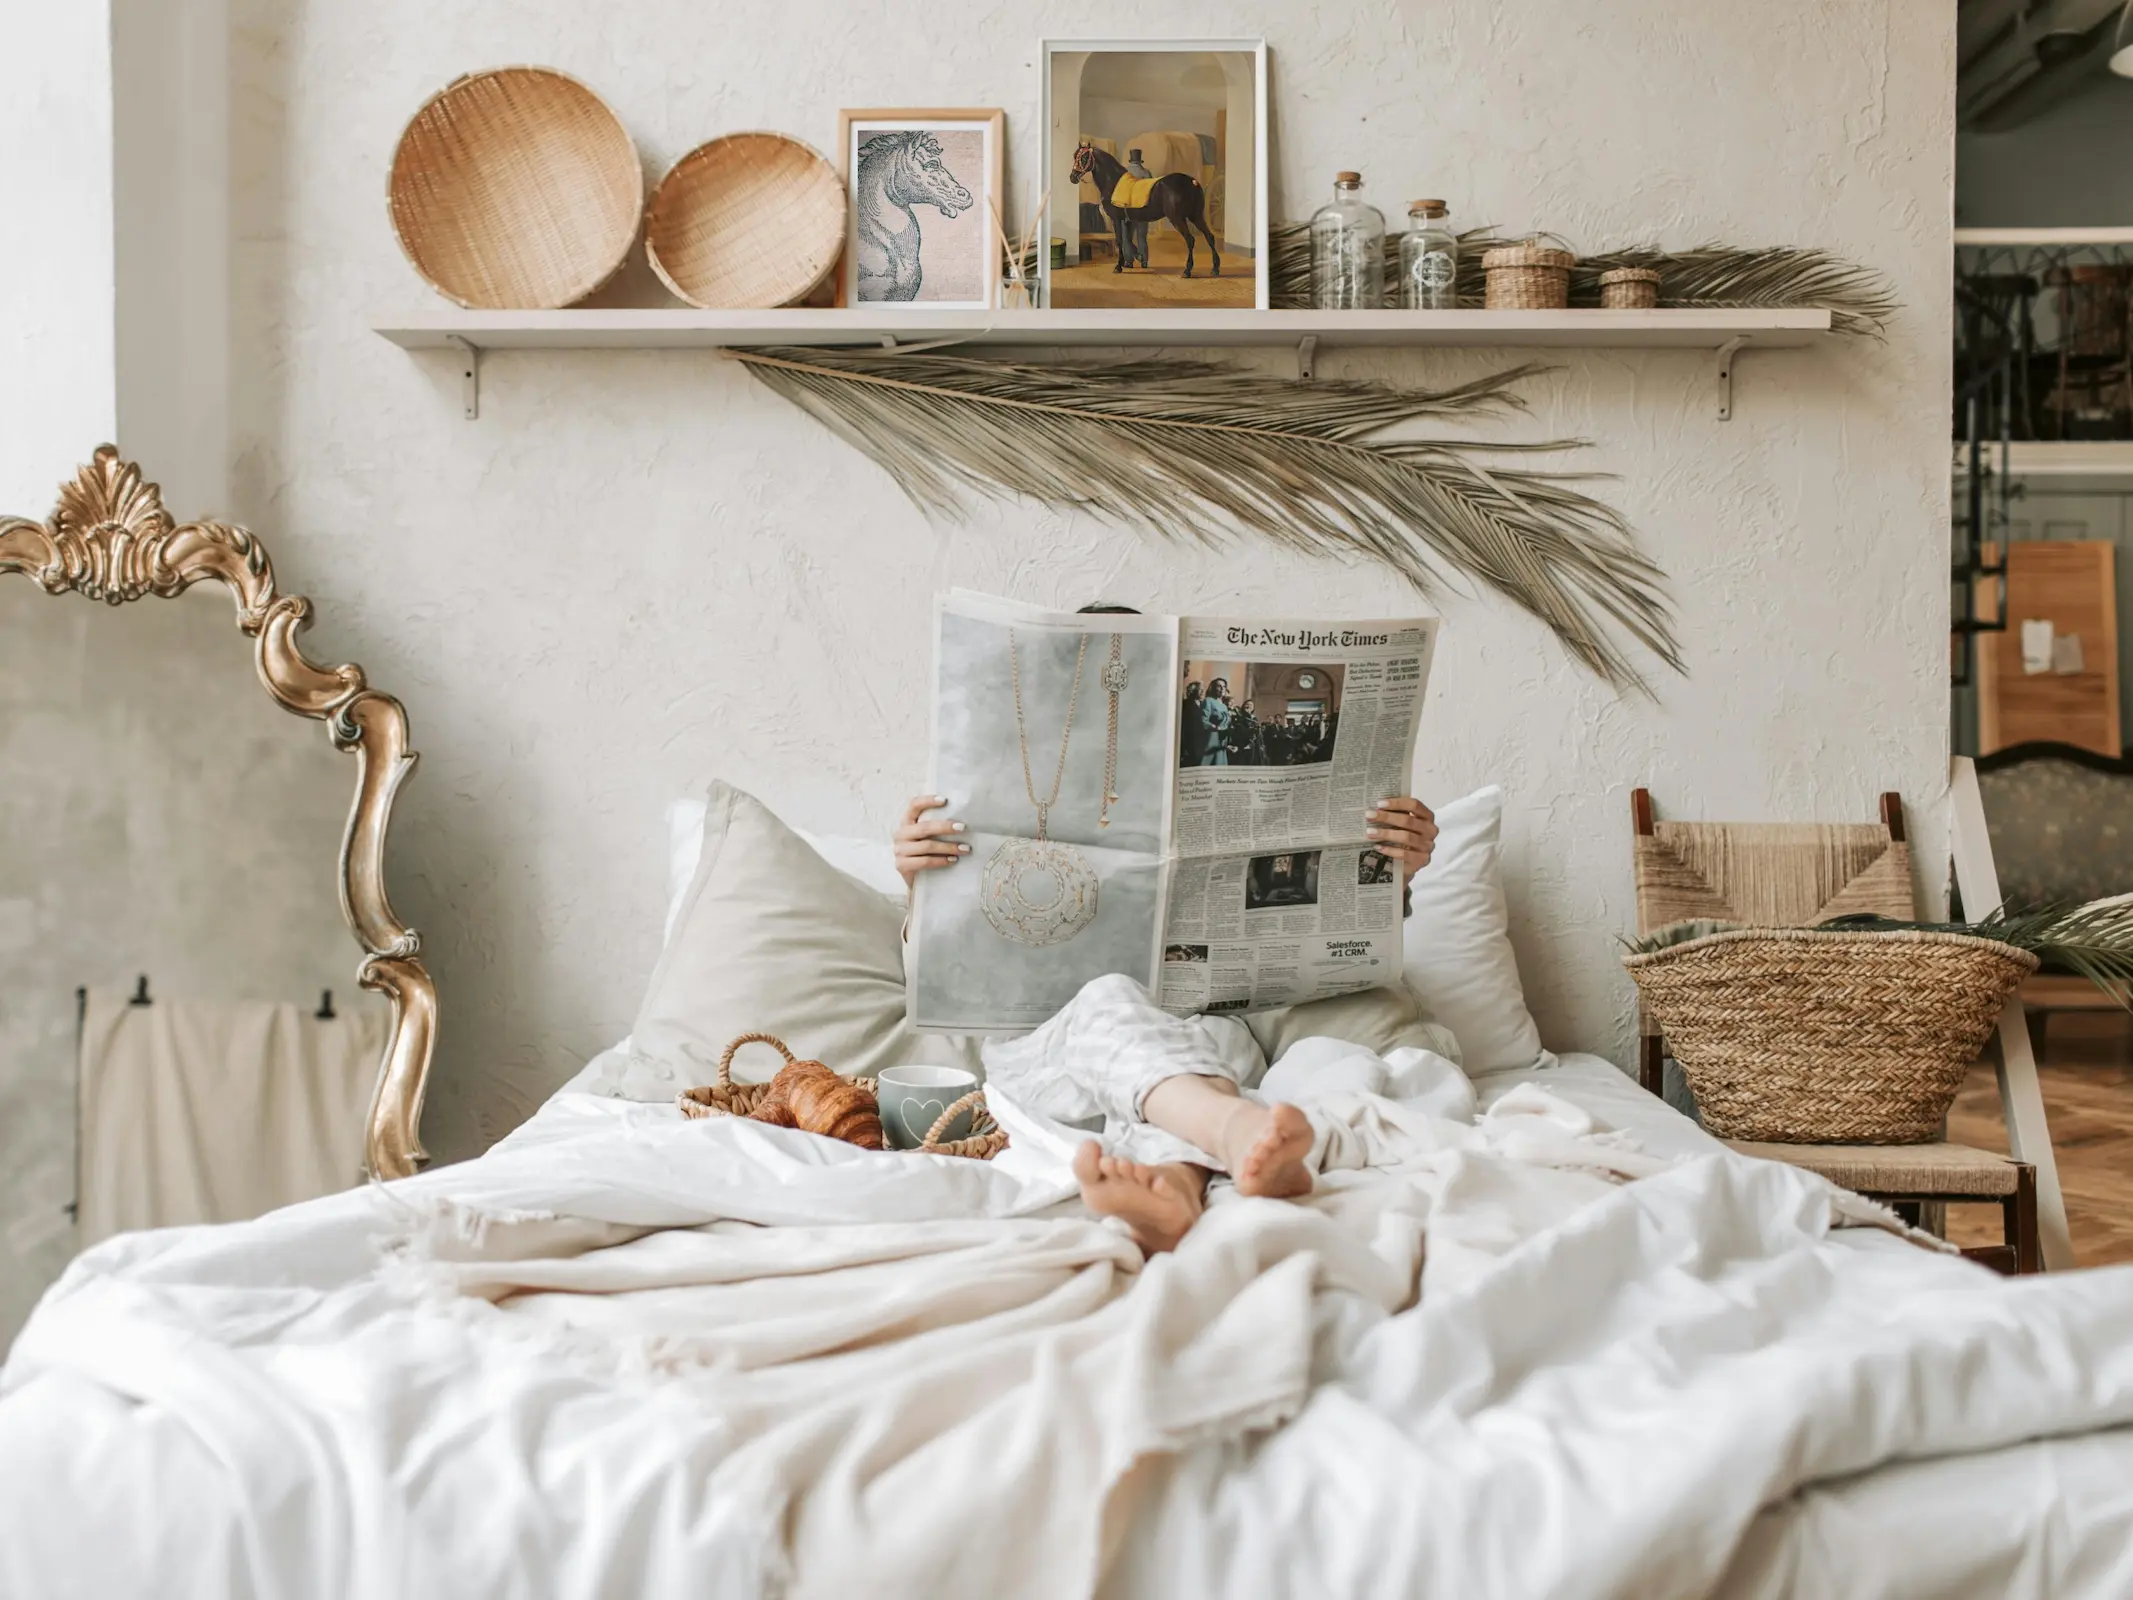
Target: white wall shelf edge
(1722, 333)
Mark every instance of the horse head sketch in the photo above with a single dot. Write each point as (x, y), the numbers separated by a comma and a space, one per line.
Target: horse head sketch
(1174, 197)
(898, 171)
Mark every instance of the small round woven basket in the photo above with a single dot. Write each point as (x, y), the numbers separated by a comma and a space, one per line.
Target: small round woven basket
(1527, 277)
(750, 220)
(516, 189)
(1629, 289)
(726, 1098)
(1827, 1036)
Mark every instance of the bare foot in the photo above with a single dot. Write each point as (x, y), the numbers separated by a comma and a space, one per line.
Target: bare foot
(1265, 1151)
(1148, 1200)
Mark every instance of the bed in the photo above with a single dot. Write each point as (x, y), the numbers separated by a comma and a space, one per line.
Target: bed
(623, 1353)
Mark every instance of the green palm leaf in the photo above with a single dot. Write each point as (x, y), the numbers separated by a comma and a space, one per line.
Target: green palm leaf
(1201, 450)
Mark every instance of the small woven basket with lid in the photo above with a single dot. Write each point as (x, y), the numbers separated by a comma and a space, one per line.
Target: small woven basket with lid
(726, 1098)
(1527, 277)
(1827, 1036)
(1629, 289)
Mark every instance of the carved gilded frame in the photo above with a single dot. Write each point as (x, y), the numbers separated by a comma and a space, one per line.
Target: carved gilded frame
(110, 539)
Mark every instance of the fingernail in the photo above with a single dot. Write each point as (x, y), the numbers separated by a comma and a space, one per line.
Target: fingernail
(959, 828)
(962, 849)
(1372, 833)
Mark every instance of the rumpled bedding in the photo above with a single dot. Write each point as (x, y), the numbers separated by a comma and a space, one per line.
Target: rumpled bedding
(628, 1354)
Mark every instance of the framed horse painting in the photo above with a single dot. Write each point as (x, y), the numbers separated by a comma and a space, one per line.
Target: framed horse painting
(1155, 164)
(925, 188)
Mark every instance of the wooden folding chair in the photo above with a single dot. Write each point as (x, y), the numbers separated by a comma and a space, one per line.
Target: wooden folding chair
(1789, 875)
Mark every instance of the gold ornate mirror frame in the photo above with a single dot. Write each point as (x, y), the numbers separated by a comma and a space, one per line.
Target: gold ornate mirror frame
(110, 539)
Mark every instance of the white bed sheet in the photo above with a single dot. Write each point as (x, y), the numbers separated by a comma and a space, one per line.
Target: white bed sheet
(2044, 1518)
(2053, 1517)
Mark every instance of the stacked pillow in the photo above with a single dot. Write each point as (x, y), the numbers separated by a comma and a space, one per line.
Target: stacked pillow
(774, 931)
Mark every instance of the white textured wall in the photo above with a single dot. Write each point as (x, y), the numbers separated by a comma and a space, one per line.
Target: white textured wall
(57, 372)
(638, 568)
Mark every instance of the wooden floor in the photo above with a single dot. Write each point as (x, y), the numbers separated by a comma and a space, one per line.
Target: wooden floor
(2087, 1072)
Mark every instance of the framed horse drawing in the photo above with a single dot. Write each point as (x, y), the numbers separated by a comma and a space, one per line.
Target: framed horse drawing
(1155, 165)
(925, 187)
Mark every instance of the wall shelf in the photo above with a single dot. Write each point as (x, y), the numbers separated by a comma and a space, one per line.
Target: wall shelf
(1723, 333)
(2051, 458)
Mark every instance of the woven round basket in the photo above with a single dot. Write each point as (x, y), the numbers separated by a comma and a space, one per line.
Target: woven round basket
(1527, 277)
(750, 220)
(1826, 1036)
(726, 1098)
(1629, 289)
(516, 189)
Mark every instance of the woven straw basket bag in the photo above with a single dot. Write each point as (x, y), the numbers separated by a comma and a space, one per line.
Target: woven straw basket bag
(726, 1098)
(1827, 1036)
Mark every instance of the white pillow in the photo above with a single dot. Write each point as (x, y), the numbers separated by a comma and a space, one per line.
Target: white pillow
(871, 861)
(769, 937)
(1458, 955)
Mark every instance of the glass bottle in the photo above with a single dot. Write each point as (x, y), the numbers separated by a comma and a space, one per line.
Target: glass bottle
(1348, 250)
(1429, 259)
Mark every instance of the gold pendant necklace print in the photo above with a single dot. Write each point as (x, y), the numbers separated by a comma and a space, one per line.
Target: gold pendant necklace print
(1114, 682)
(1039, 891)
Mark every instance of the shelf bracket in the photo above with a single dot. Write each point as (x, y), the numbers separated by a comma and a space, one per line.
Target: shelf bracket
(1307, 358)
(1726, 353)
(469, 374)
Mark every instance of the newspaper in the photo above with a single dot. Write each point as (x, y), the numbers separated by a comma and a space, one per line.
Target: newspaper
(1177, 798)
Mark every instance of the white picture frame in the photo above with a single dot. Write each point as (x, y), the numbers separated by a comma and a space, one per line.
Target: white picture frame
(900, 220)
(1071, 69)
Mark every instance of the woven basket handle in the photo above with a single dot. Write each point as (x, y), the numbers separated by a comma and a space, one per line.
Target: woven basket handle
(976, 1097)
(725, 1062)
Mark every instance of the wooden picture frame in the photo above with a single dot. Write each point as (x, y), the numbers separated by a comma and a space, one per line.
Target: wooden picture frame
(1199, 204)
(886, 255)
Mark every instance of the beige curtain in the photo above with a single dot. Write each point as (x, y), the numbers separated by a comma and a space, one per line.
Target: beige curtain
(215, 1111)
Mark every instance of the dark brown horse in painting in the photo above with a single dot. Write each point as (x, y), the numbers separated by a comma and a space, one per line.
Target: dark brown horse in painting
(1175, 198)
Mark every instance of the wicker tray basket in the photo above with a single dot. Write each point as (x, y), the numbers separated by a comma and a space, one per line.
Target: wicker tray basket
(750, 220)
(1824, 1036)
(726, 1098)
(516, 190)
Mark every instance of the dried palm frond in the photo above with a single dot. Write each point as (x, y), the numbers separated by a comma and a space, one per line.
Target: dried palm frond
(1202, 449)
(1710, 276)
(2094, 941)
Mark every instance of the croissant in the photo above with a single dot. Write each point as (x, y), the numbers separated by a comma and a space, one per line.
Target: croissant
(808, 1096)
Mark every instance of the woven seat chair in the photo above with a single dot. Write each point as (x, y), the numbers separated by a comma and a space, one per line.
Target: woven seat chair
(1790, 875)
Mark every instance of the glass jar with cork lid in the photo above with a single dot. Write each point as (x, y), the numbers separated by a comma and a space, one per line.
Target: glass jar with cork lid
(1348, 250)
(1429, 259)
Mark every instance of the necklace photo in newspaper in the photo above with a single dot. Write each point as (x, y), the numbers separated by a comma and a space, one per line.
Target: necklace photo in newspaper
(1180, 799)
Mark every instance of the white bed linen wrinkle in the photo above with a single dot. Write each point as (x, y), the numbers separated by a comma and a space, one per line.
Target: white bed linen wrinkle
(1599, 1388)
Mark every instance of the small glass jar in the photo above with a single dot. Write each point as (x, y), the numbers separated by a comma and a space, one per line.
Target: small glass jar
(1348, 250)
(1429, 259)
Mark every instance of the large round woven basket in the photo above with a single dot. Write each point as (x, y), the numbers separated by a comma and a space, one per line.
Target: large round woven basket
(726, 1098)
(1827, 1036)
(516, 189)
(750, 220)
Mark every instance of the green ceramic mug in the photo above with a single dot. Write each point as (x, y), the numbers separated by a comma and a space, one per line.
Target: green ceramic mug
(913, 1098)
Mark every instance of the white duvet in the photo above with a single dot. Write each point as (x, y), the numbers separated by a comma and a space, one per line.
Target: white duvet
(625, 1354)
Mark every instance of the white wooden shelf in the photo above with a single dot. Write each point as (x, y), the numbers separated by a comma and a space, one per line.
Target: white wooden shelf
(475, 333)
(2050, 458)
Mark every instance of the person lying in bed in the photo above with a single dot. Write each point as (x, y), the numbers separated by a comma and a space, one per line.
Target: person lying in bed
(1264, 1148)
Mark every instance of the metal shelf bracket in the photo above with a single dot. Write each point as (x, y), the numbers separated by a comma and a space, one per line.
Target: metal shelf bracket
(1307, 358)
(469, 375)
(1726, 353)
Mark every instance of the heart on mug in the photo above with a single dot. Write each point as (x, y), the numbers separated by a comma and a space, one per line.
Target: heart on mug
(911, 1105)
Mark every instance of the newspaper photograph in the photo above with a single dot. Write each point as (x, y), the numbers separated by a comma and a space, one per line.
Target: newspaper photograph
(1179, 799)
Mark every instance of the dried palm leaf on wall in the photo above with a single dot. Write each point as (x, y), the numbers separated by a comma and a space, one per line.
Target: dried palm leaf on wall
(1711, 277)
(1202, 450)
